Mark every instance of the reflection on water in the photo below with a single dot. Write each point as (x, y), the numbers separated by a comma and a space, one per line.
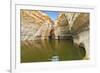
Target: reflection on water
(54, 58)
(50, 50)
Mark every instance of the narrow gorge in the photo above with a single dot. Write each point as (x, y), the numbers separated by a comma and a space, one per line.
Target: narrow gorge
(38, 30)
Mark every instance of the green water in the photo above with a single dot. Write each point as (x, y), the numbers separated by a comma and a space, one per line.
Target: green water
(47, 50)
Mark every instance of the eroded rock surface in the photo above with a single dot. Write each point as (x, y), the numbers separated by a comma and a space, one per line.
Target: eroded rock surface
(35, 25)
(38, 25)
(75, 24)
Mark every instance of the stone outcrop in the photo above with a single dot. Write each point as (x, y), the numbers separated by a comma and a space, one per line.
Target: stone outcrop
(35, 25)
(75, 24)
(61, 26)
(71, 22)
(81, 23)
(83, 38)
(38, 25)
(81, 31)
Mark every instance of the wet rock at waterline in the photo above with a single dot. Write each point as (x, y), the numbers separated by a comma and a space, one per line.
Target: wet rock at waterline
(61, 27)
(73, 26)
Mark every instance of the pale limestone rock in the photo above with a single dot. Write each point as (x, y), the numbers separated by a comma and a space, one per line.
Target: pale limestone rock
(65, 22)
(83, 38)
(35, 25)
(38, 25)
(61, 26)
(75, 23)
(81, 23)
(81, 29)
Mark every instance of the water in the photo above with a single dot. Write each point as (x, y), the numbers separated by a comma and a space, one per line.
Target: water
(50, 50)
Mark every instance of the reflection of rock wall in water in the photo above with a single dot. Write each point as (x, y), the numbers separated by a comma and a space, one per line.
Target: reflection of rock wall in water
(38, 25)
(74, 24)
(35, 25)
(83, 38)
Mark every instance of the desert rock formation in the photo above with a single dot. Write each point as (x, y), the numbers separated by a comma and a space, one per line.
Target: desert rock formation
(75, 24)
(35, 25)
(38, 25)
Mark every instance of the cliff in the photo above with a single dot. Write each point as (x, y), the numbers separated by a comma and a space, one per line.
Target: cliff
(75, 24)
(61, 26)
(38, 25)
(35, 25)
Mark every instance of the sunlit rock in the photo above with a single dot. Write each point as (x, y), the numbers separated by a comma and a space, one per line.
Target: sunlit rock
(61, 26)
(35, 25)
(80, 29)
(75, 24)
(81, 23)
(83, 38)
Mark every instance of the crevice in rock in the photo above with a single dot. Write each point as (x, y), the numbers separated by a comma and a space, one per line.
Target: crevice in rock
(37, 25)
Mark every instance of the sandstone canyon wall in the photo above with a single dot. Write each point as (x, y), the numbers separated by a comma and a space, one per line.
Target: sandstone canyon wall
(38, 25)
(35, 25)
(75, 24)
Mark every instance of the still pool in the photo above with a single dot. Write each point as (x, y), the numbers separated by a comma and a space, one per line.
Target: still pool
(50, 50)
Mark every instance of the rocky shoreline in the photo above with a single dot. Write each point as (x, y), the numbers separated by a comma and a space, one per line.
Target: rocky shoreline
(37, 25)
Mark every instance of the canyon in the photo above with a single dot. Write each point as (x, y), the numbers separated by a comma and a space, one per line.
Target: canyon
(37, 25)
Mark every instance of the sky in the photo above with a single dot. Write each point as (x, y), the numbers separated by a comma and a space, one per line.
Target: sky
(52, 14)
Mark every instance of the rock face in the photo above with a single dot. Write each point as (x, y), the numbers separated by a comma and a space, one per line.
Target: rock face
(75, 24)
(83, 38)
(35, 25)
(61, 26)
(64, 23)
(38, 25)
(81, 23)
(80, 29)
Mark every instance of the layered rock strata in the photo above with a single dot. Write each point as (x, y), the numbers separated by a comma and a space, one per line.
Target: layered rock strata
(75, 24)
(35, 25)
